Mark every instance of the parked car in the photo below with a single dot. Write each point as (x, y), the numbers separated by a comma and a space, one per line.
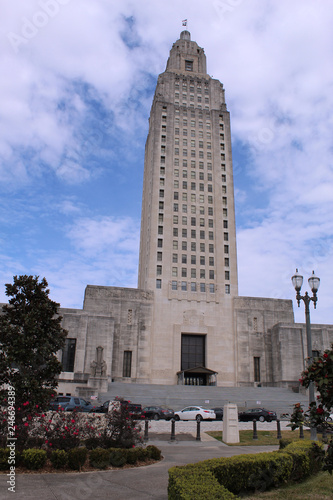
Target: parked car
(330, 418)
(70, 403)
(135, 410)
(218, 412)
(104, 408)
(257, 414)
(157, 412)
(195, 413)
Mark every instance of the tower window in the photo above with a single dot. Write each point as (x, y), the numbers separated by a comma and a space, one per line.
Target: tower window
(188, 65)
(256, 361)
(127, 364)
(68, 355)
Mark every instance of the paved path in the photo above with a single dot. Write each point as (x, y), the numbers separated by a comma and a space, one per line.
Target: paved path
(149, 482)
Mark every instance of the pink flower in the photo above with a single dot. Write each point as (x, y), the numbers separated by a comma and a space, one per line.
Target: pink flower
(26, 424)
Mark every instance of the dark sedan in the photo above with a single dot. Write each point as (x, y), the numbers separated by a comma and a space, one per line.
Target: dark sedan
(157, 413)
(104, 408)
(218, 412)
(259, 414)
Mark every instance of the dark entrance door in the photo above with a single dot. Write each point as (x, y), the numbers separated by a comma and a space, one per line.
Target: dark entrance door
(193, 355)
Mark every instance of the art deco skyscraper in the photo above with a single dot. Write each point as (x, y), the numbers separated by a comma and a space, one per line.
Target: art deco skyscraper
(188, 237)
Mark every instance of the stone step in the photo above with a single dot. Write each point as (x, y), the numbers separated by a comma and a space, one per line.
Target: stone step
(177, 397)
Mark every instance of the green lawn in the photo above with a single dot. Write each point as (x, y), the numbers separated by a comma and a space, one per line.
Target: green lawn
(264, 437)
(319, 487)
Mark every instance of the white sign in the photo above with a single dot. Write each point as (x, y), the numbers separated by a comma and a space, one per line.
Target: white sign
(207, 401)
(258, 402)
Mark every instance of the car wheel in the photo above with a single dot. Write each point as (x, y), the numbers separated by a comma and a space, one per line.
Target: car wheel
(156, 417)
(177, 418)
(261, 419)
(198, 418)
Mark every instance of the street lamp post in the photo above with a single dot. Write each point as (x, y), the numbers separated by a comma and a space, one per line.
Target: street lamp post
(314, 283)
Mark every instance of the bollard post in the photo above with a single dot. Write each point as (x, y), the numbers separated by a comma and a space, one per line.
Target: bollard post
(198, 438)
(279, 435)
(145, 437)
(301, 432)
(255, 435)
(172, 437)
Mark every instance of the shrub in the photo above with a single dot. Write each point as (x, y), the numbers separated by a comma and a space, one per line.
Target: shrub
(4, 456)
(284, 442)
(328, 461)
(121, 431)
(251, 472)
(77, 458)
(93, 443)
(154, 452)
(59, 459)
(99, 458)
(315, 456)
(195, 482)
(118, 457)
(34, 459)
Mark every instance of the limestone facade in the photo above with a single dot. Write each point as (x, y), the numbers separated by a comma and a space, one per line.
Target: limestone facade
(185, 324)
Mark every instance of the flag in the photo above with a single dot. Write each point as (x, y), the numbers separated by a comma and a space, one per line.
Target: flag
(184, 22)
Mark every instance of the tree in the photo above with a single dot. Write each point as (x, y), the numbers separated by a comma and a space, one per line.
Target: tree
(30, 336)
(321, 373)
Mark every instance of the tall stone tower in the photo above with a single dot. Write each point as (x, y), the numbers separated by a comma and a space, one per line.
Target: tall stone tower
(188, 237)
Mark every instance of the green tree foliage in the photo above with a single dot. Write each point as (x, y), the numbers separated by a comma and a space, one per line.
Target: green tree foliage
(321, 373)
(30, 336)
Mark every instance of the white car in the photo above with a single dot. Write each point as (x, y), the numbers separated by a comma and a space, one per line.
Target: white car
(195, 413)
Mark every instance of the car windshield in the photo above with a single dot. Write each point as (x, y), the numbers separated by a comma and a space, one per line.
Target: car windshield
(62, 399)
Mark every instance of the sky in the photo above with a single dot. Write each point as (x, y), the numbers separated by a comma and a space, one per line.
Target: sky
(76, 86)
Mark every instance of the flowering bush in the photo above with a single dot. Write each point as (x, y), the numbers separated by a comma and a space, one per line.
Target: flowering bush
(297, 417)
(121, 430)
(321, 373)
(316, 416)
(65, 430)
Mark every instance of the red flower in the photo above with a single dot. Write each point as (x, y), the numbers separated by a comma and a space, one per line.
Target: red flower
(325, 355)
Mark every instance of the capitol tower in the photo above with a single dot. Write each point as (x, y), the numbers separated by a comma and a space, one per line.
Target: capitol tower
(188, 237)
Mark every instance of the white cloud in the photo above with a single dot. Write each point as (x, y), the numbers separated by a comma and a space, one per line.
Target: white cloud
(74, 104)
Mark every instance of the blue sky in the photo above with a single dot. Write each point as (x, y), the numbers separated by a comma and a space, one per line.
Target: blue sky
(77, 82)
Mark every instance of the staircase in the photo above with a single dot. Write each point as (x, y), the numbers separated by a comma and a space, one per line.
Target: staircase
(177, 397)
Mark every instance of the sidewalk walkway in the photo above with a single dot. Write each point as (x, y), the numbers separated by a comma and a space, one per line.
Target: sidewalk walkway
(142, 483)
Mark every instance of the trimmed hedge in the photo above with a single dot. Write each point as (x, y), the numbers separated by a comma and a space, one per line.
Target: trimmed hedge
(77, 458)
(34, 459)
(244, 473)
(256, 472)
(195, 482)
(59, 459)
(315, 454)
(99, 458)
